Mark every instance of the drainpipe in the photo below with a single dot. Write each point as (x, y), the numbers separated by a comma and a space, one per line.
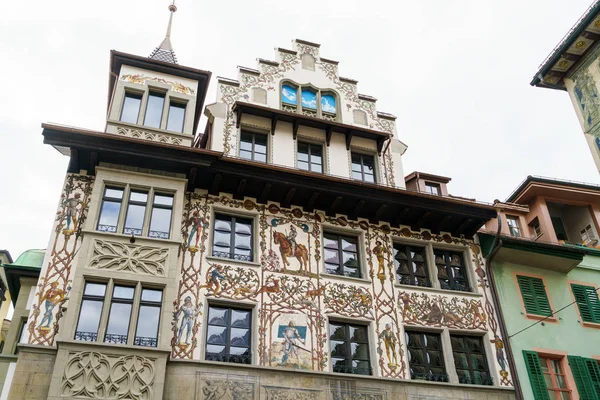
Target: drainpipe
(496, 245)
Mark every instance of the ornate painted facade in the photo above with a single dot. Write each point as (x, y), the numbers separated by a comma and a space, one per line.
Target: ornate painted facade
(138, 225)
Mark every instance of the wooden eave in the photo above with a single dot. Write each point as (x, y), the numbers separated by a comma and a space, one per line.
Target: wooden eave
(117, 59)
(276, 115)
(289, 187)
(533, 187)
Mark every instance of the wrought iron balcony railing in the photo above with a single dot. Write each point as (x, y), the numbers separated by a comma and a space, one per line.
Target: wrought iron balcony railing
(236, 359)
(145, 341)
(86, 336)
(117, 339)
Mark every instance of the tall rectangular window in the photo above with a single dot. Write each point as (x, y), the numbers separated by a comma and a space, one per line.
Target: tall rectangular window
(340, 254)
(136, 211)
(513, 226)
(433, 188)
(154, 109)
(120, 315)
(469, 360)
(160, 219)
(452, 273)
(363, 167)
(90, 312)
(411, 265)
(146, 332)
(555, 378)
(588, 302)
(426, 356)
(349, 348)
(131, 108)
(110, 209)
(176, 117)
(253, 146)
(228, 335)
(232, 237)
(535, 298)
(310, 157)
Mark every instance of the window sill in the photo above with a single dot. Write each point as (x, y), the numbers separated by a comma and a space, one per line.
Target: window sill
(436, 290)
(127, 237)
(593, 325)
(344, 277)
(222, 260)
(541, 317)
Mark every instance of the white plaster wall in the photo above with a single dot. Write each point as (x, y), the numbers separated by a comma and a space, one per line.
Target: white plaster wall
(338, 157)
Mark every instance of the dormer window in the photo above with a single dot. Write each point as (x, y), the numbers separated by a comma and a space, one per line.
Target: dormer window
(154, 109)
(314, 102)
(131, 108)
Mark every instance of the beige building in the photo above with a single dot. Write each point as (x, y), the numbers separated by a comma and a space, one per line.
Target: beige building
(574, 66)
(279, 255)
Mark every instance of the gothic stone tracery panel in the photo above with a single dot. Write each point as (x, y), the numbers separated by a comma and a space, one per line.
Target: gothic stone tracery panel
(129, 258)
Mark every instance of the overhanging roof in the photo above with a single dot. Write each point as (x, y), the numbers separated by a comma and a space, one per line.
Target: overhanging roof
(531, 253)
(117, 59)
(14, 273)
(534, 186)
(216, 173)
(580, 39)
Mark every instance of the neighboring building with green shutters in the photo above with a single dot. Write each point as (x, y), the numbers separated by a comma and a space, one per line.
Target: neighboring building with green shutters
(545, 266)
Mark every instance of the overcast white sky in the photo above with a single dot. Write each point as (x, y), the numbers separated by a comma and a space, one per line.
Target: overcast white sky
(455, 73)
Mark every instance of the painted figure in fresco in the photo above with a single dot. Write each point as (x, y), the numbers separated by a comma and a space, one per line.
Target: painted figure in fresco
(499, 344)
(274, 288)
(285, 249)
(291, 237)
(407, 309)
(291, 338)
(435, 315)
(214, 282)
(379, 252)
(389, 339)
(53, 297)
(70, 206)
(197, 225)
(478, 317)
(187, 322)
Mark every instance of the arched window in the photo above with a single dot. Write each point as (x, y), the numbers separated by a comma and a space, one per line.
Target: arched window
(289, 97)
(259, 95)
(328, 105)
(360, 117)
(308, 62)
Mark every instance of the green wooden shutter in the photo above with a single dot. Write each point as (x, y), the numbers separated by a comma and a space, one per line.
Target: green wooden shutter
(587, 302)
(594, 369)
(533, 293)
(583, 379)
(536, 376)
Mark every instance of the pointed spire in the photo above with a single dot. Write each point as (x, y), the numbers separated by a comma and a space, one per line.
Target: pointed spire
(164, 52)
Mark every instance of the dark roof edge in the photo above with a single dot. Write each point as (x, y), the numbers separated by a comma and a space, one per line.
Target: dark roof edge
(583, 21)
(541, 179)
(567, 250)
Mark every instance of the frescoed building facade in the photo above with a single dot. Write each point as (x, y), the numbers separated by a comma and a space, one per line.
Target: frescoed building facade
(574, 66)
(278, 255)
(545, 263)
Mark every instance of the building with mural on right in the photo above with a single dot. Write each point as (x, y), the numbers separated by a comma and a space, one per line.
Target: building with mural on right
(543, 257)
(574, 66)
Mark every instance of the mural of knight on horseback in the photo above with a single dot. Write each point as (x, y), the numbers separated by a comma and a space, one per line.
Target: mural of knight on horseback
(288, 247)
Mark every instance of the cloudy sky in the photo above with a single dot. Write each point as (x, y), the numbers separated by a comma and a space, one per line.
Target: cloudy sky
(456, 73)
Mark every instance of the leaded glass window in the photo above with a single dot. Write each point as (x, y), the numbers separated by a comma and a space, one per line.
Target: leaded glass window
(228, 335)
(340, 254)
(452, 273)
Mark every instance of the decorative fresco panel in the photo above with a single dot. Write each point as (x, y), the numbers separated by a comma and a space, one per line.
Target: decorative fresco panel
(129, 258)
(141, 79)
(54, 283)
(217, 386)
(294, 298)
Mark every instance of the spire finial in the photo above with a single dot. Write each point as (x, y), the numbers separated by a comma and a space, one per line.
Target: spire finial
(164, 52)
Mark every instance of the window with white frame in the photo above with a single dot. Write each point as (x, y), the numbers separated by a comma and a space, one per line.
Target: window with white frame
(587, 234)
(146, 211)
(121, 325)
(513, 225)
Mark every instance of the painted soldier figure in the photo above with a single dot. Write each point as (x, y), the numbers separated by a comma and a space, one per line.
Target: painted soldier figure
(499, 344)
(197, 225)
(290, 336)
(379, 252)
(389, 339)
(52, 297)
(214, 282)
(291, 237)
(70, 206)
(187, 322)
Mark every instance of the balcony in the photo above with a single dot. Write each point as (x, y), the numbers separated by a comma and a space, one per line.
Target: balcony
(573, 224)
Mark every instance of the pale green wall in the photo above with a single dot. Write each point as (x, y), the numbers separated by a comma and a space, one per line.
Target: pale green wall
(566, 335)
